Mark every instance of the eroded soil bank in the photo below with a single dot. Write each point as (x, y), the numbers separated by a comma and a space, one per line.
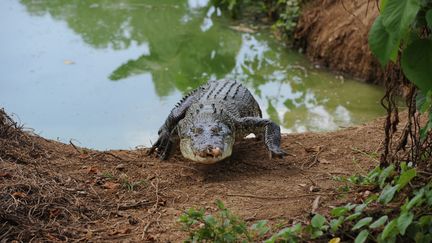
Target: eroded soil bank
(335, 34)
(51, 191)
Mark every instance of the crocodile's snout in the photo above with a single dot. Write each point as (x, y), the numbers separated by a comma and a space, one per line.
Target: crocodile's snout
(210, 152)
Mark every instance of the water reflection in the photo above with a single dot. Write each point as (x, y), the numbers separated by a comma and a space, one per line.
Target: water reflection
(177, 45)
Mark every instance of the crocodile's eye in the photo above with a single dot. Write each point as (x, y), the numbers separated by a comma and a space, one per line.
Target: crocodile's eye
(215, 130)
(197, 130)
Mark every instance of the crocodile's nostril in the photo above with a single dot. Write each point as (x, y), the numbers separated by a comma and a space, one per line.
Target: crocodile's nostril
(210, 152)
(216, 152)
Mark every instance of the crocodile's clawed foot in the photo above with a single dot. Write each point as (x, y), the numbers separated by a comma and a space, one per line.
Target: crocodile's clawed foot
(276, 153)
(162, 146)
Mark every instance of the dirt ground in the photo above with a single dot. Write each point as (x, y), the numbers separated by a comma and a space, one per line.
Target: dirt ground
(51, 191)
(335, 34)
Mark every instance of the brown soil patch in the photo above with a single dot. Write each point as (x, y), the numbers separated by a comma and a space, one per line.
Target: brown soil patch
(51, 191)
(335, 33)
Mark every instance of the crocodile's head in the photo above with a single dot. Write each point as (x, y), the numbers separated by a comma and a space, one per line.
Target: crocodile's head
(206, 141)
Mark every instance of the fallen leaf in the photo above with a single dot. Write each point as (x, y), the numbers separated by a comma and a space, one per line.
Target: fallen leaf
(5, 175)
(111, 185)
(335, 240)
(89, 235)
(19, 194)
(93, 170)
(120, 167)
(242, 28)
(315, 205)
(313, 149)
(314, 189)
(83, 156)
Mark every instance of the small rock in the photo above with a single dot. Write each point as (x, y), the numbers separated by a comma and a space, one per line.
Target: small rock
(81, 192)
(366, 194)
(132, 220)
(120, 167)
(314, 189)
(111, 185)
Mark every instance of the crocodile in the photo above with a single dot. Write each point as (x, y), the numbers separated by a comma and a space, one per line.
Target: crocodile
(210, 119)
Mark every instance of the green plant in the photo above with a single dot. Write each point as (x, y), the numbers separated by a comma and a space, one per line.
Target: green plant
(289, 234)
(393, 211)
(224, 227)
(289, 12)
(108, 175)
(131, 185)
(317, 226)
(404, 27)
(405, 219)
(234, 7)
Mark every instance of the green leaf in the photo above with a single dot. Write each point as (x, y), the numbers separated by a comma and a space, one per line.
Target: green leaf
(425, 130)
(421, 102)
(398, 15)
(362, 236)
(371, 198)
(379, 222)
(403, 165)
(404, 221)
(390, 230)
(362, 222)
(428, 196)
(415, 200)
(374, 173)
(417, 62)
(336, 223)
(360, 208)
(318, 221)
(384, 174)
(383, 4)
(405, 178)
(297, 228)
(339, 211)
(316, 234)
(261, 227)
(219, 204)
(383, 45)
(425, 220)
(387, 194)
(353, 216)
(210, 220)
(429, 18)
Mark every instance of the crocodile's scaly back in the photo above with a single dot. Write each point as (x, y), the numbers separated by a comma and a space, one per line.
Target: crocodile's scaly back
(231, 95)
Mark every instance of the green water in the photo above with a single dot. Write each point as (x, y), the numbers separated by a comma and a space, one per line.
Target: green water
(106, 73)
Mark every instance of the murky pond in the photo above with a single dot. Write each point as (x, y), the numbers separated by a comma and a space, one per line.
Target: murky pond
(106, 73)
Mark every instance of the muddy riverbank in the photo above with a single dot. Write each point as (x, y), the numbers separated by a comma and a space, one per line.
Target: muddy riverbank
(50, 191)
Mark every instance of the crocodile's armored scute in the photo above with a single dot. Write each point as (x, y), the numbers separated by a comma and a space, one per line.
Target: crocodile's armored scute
(210, 118)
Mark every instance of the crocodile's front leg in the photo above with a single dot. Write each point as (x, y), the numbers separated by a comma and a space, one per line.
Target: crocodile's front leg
(272, 135)
(164, 144)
